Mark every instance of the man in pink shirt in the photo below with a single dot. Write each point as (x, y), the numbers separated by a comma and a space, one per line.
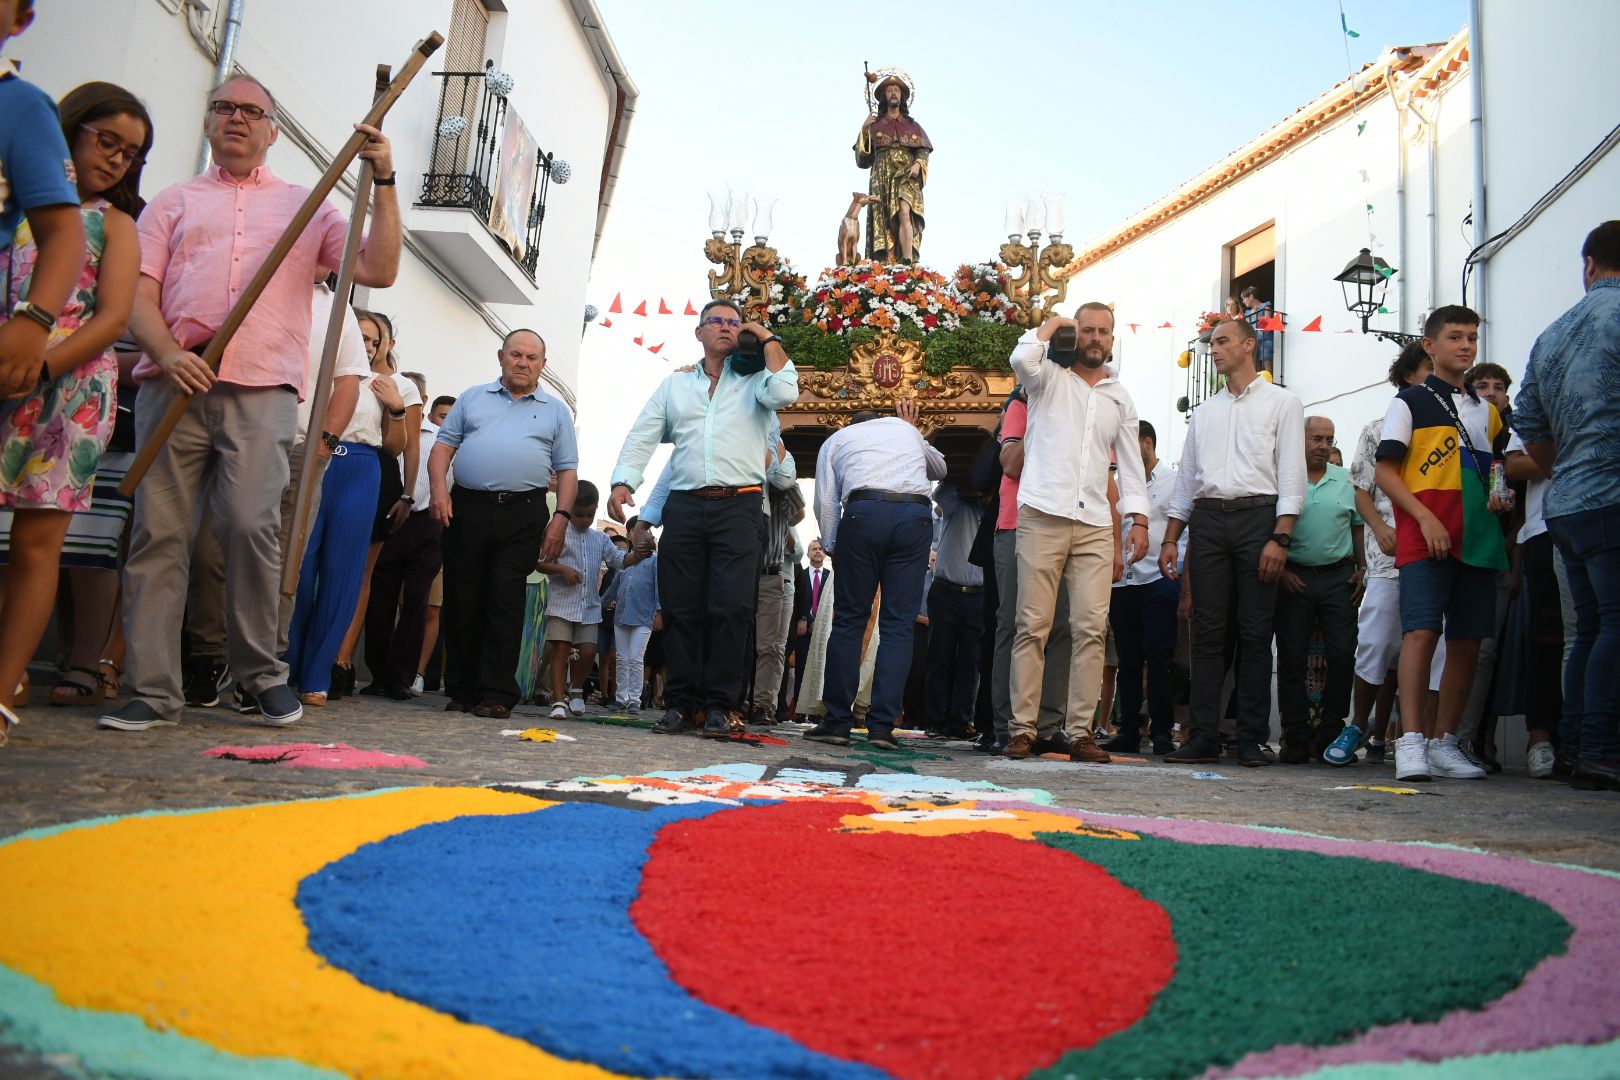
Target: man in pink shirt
(1055, 679)
(201, 243)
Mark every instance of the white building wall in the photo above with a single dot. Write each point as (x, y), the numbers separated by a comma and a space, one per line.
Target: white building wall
(318, 58)
(1550, 88)
(1317, 197)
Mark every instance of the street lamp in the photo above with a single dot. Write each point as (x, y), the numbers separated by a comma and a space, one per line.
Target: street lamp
(1364, 280)
(745, 272)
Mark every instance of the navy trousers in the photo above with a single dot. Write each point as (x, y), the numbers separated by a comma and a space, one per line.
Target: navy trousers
(879, 544)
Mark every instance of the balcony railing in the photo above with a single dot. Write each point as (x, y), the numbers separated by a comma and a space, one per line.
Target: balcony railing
(473, 134)
(1203, 380)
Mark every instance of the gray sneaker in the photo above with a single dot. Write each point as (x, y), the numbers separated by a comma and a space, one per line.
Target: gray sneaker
(136, 715)
(279, 707)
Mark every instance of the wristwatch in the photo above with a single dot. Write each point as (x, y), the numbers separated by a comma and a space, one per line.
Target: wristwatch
(1282, 540)
(330, 440)
(385, 181)
(34, 313)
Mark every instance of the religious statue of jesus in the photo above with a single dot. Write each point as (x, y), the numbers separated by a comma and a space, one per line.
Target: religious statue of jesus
(894, 149)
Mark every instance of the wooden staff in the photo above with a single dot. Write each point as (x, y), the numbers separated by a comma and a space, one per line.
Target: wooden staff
(314, 463)
(278, 254)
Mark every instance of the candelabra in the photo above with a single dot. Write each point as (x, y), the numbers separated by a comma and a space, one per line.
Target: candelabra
(1036, 283)
(745, 274)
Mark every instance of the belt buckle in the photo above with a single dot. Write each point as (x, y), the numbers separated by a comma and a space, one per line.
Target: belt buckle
(503, 497)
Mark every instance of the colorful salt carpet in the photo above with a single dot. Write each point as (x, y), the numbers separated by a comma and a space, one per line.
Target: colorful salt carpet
(803, 919)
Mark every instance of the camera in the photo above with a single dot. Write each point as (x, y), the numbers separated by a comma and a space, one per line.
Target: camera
(1064, 347)
(749, 356)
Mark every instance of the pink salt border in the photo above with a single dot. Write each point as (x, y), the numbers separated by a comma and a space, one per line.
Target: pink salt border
(318, 756)
(1566, 999)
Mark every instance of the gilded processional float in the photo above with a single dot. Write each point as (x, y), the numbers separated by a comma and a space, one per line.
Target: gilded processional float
(879, 325)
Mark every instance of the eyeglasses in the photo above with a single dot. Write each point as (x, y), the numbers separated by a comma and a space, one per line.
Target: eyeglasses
(109, 145)
(226, 108)
(715, 320)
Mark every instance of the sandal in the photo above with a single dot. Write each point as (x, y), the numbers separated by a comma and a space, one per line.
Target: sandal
(69, 692)
(20, 698)
(112, 687)
(8, 720)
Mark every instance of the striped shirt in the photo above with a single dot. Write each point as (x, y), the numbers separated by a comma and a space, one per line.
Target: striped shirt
(1421, 436)
(585, 551)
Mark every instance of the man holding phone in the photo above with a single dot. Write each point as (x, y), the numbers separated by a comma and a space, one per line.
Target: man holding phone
(718, 416)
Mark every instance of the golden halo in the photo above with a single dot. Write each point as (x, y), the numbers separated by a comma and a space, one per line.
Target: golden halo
(900, 76)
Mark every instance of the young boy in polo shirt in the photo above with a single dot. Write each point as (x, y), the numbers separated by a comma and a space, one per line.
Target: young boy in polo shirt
(36, 182)
(1434, 463)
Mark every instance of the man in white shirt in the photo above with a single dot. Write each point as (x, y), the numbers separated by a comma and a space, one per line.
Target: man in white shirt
(1142, 613)
(1080, 416)
(1240, 486)
(873, 480)
(411, 558)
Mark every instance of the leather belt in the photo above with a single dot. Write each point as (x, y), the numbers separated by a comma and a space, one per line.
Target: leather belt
(1226, 506)
(1346, 561)
(954, 587)
(720, 492)
(500, 498)
(864, 494)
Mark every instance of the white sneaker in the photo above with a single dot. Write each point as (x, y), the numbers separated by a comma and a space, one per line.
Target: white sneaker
(576, 704)
(559, 711)
(1447, 759)
(417, 687)
(1411, 757)
(1539, 760)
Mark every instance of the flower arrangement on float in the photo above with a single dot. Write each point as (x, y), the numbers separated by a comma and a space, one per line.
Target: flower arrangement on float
(983, 291)
(881, 296)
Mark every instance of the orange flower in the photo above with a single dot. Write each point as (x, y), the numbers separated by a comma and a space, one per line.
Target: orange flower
(852, 304)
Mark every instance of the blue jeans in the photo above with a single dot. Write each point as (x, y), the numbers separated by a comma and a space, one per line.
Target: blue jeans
(879, 544)
(1590, 544)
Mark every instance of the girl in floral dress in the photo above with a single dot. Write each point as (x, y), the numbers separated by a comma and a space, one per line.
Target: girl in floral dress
(51, 439)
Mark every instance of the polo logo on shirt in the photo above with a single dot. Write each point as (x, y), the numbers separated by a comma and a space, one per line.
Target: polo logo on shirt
(1439, 454)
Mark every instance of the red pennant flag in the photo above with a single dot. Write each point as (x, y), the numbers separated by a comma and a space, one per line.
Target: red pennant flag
(1133, 326)
(1312, 327)
(663, 308)
(1346, 331)
(639, 341)
(690, 310)
(1165, 326)
(641, 309)
(607, 322)
(1268, 322)
(615, 308)
(660, 345)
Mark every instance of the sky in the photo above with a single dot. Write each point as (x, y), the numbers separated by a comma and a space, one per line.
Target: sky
(1112, 104)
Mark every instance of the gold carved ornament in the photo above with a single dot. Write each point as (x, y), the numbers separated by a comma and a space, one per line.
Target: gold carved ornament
(882, 372)
(749, 271)
(1042, 280)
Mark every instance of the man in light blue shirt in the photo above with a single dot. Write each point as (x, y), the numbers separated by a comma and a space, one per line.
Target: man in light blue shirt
(506, 439)
(1568, 414)
(718, 416)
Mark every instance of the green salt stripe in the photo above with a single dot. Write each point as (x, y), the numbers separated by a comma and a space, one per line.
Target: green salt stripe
(1263, 960)
(1564, 1061)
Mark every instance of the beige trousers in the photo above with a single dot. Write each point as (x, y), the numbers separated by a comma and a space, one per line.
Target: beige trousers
(1051, 550)
(233, 440)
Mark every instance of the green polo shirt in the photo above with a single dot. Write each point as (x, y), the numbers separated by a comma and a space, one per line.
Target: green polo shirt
(1322, 533)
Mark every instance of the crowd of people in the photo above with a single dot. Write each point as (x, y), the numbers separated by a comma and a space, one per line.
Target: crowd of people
(1059, 597)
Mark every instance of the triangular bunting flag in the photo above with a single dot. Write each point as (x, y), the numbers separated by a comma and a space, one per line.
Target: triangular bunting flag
(1268, 322)
(1133, 326)
(639, 341)
(660, 345)
(607, 322)
(1312, 327)
(641, 309)
(1346, 331)
(1346, 24)
(615, 308)
(1165, 326)
(690, 310)
(663, 308)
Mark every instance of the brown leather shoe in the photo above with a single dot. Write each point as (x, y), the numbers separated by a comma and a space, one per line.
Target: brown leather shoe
(1085, 748)
(1018, 746)
(493, 710)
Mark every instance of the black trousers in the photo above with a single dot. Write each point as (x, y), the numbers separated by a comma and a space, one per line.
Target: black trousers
(1325, 605)
(1223, 556)
(1144, 622)
(409, 561)
(708, 573)
(955, 632)
(1544, 649)
(984, 707)
(914, 709)
(489, 551)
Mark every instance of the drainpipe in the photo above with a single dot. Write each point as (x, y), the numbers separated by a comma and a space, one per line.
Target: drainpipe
(1400, 194)
(226, 61)
(1427, 125)
(1476, 124)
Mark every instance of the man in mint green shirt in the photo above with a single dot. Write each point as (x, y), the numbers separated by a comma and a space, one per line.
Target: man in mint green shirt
(1321, 587)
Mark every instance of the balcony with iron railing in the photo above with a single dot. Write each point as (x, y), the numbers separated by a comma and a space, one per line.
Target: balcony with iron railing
(485, 165)
(1202, 378)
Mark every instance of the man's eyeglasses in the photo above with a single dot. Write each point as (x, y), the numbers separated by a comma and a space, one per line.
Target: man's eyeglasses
(110, 145)
(226, 108)
(715, 320)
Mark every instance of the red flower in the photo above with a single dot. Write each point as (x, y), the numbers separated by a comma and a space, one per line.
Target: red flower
(900, 278)
(930, 321)
(821, 297)
(835, 324)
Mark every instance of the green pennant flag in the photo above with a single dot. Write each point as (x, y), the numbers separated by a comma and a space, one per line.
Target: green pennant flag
(1361, 127)
(1347, 31)
(1386, 271)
